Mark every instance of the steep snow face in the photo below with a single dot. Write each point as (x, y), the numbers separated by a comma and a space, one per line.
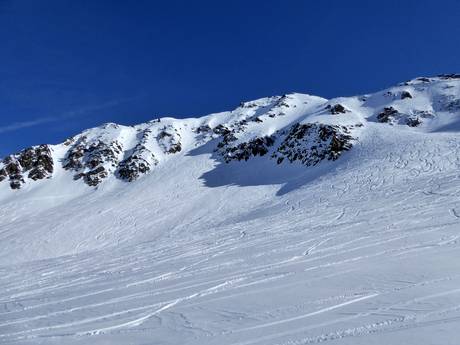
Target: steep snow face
(289, 220)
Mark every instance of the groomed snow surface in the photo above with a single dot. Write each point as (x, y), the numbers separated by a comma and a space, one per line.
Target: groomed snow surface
(361, 250)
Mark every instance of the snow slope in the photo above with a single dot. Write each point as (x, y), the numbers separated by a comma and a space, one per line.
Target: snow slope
(289, 220)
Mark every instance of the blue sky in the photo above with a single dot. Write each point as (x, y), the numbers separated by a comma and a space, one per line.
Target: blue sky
(69, 65)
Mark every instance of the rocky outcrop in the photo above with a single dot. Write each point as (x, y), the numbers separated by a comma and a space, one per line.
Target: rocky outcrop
(313, 142)
(392, 116)
(202, 129)
(13, 170)
(307, 143)
(405, 94)
(245, 150)
(96, 159)
(336, 109)
(387, 115)
(229, 135)
(423, 79)
(248, 105)
(139, 162)
(229, 150)
(92, 161)
(169, 140)
(3, 174)
(280, 107)
(449, 76)
(35, 163)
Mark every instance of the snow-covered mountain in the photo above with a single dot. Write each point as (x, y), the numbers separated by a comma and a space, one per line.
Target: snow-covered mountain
(289, 220)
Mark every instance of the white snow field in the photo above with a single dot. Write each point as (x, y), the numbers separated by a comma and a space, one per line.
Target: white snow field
(358, 246)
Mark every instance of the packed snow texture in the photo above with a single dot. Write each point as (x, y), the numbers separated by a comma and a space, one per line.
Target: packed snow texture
(289, 220)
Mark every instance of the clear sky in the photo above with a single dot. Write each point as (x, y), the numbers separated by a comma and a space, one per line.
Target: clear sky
(69, 65)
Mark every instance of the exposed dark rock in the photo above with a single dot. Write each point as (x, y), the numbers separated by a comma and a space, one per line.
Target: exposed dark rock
(391, 115)
(226, 140)
(424, 114)
(282, 101)
(221, 130)
(91, 160)
(203, 129)
(388, 94)
(3, 174)
(449, 76)
(69, 141)
(169, 139)
(74, 156)
(95, 176)
(163, 134)
(311, 143)
(243, 151)
(423, 79)
(16, 183)
(78, 176)
(336, 109)
(387, 115)
(279, 107)
(175, 148)
(416, 81)
(229, 133)
(12, 166)
(247, 105)
(140, 160)
(130, 169)
(36, 162)
(405, 94)
(413, 121)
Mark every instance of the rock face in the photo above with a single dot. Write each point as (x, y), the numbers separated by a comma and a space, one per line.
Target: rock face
(35, 163)
(170, 140)
(336, 109)
(387, 115)
(392, 116)
(139, 162)
(92, 161)
(405, 94)
(308, 143)
(311, 143)
(245, 150)
(95, 158)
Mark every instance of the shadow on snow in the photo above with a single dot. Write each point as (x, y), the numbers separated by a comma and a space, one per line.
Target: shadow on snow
(258, 171)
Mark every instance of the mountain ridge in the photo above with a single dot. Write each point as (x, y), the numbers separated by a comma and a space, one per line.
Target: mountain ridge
(255, 128)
